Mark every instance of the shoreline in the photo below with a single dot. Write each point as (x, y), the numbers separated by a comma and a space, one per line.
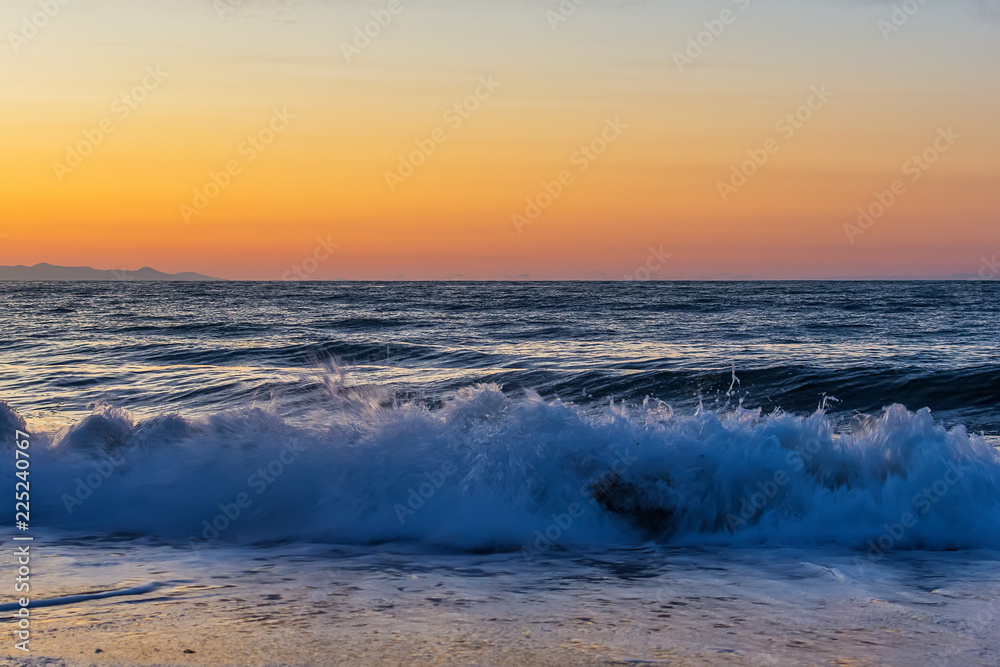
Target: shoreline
(309, 605)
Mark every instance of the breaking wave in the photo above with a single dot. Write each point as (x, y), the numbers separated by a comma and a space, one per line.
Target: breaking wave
(487, 470)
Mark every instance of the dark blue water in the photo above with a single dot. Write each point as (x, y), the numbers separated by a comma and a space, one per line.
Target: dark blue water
(200, 347)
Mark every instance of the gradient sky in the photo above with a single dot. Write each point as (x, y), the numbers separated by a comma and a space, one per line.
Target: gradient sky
(656, 186)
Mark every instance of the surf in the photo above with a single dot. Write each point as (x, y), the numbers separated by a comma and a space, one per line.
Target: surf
(487, 470)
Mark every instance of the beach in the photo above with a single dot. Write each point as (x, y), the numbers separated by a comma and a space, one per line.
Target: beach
(316, 605)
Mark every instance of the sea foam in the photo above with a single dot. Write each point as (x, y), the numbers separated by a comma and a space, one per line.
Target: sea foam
(486, 470)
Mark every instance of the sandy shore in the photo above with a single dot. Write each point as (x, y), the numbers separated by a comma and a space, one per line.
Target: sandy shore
(316, 607)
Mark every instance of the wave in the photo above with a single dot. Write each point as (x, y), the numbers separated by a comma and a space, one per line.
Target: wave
(488, 470)
(794, 387)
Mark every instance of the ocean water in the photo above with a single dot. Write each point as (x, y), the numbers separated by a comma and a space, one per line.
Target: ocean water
(646, 438)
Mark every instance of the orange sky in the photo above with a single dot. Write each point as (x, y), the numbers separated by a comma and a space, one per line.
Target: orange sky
(328, 130)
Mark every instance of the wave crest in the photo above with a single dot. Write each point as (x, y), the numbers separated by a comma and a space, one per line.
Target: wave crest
(487, 470)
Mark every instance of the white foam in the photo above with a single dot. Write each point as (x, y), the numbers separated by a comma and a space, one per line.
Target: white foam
(506, 472)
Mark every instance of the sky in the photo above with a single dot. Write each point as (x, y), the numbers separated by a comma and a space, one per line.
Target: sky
(502, 139)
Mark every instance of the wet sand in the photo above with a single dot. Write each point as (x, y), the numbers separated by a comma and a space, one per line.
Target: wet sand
(323, 606)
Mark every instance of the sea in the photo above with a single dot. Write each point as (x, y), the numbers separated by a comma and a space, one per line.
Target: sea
(492, 473)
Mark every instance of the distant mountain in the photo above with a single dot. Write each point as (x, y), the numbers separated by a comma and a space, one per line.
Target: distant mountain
(44, 271)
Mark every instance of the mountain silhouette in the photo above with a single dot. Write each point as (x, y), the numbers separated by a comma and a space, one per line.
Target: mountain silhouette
(45, 272)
